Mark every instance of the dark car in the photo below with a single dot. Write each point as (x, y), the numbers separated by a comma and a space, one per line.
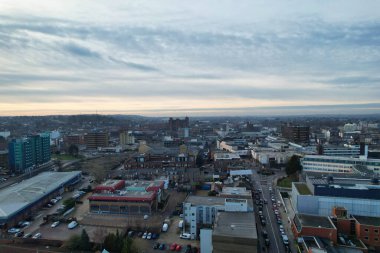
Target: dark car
(156, 245)
(188, 249)
(155, 236)
(267, 242)
(19, 234)
(139, 234)
(162, 246)
(264, 233)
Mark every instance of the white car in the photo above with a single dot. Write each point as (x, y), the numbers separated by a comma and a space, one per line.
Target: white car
(72, 225)
(55, 224)
(144, 235)
(149, 236)
(37, 236)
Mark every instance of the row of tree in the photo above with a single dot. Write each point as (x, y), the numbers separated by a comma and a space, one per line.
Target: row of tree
(112, 242)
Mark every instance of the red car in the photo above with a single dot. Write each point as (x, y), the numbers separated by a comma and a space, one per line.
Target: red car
(178, 248)
(173, 246)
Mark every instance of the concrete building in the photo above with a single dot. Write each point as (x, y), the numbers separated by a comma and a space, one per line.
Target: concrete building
(19, 201)
(331, 164)
(235, 232)
(94, 140)
(126, 138)
(127, 197)
(201, 211)
(333, 150)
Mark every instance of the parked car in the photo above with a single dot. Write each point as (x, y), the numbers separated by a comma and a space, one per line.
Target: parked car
(155, 236)
(13, 230)
(162, 246)
(72, 224)
(267, 242)
(156, 245)
(140, 234)
(131, 234)
(55, 224)
(37, 236)
(144, 235)
(178, 248)
(149, 236)
(173, 246)
(19, 234)
(185, 236)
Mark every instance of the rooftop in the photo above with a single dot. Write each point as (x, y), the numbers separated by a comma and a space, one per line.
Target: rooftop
(19, 196)
(371, 221)
(200, 200)
(236, 191)
(302, 189)
(231, 224)
(305, 220)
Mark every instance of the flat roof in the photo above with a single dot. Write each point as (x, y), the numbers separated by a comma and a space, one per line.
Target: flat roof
(205, 200)
(123, 196)
(370, 221)
(235, 224)
(236, 191)
(306, 220)
(302, 189)
(19, 196)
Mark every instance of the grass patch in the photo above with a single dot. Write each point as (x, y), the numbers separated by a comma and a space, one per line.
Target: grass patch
(285, 182)
(66, 157)
(303, 189)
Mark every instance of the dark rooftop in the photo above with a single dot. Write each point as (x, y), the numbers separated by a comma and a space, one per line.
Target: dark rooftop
(303, 220)
(365, 220)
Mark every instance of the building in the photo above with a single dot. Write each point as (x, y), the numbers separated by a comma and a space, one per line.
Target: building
(368, 230)
(333, 150)
(126, 138)
(41, 152)
(200, 211)
(19, 201)
(127, 197)
(335, 164)
(4, 159)
(235, 232)
(175, 124)
(20, 155)
(94, 140)
(26, 153)
(295, 133)
(356, 200)
(73, 139)
(312, 225)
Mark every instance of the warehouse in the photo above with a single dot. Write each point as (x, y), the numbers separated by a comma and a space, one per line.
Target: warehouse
(20, 200)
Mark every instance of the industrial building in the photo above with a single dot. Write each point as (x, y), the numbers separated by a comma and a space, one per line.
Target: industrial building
(20, 200)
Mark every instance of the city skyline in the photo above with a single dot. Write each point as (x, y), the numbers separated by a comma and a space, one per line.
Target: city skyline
(175, 58)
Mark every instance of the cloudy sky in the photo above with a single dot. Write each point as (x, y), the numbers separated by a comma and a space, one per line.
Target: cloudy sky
(206, 57)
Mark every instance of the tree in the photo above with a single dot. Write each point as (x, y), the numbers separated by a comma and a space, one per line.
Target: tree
(127, 246)
(109, 242)
(293, 166)
(74, 242)
(85, 241)
(73, 150)
(199, 160)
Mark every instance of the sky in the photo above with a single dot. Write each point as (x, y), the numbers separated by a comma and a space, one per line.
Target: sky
(206, 57)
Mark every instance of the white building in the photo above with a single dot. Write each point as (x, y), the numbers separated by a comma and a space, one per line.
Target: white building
(334, 164)
(199, 210)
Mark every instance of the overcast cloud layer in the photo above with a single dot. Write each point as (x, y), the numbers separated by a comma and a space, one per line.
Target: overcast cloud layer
(186, 57)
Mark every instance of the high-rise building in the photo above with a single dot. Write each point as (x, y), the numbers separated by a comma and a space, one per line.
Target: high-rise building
(296, 133)
(20, 155)
(175, 124)
(126, 138)
(26, 152)
(96, 140)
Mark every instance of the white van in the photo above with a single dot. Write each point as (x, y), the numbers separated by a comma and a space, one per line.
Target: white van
(165, 227)
(180, 224)
(185, 236)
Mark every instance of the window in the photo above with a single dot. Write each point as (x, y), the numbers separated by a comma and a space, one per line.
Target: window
(366, 229)
(366, 238)
(376, 231)
(376, 239)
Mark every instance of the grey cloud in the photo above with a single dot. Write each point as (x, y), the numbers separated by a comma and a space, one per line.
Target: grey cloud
(79, 50)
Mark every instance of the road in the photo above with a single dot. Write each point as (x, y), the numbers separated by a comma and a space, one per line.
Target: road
(276, 244)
